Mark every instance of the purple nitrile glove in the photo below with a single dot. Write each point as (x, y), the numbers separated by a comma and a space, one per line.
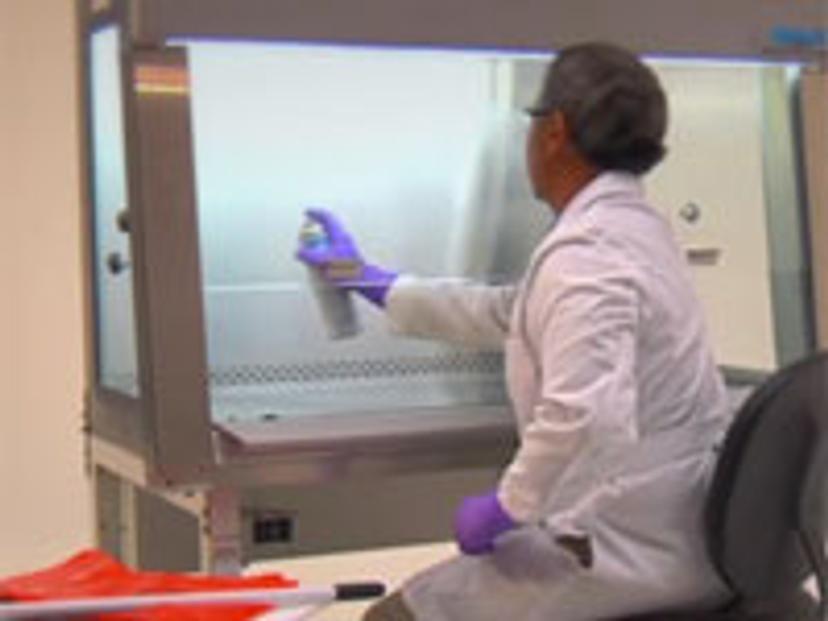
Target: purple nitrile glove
(340, 262)
(480, 520)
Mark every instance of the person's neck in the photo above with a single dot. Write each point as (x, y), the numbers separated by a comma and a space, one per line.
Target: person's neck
(569, 183)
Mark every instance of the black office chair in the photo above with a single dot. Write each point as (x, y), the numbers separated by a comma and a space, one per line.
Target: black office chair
(767, 512)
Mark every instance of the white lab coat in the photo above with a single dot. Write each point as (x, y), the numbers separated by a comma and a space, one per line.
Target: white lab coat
(618, 405)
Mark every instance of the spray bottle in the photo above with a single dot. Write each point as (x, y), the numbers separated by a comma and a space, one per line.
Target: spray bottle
(335, 303)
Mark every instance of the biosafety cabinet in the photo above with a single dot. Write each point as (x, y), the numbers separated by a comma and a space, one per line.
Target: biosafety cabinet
(224, 425)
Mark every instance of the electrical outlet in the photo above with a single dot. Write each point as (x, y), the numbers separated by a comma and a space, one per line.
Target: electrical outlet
(272, 528)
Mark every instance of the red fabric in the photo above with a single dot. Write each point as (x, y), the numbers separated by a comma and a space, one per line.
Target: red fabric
(92, 573)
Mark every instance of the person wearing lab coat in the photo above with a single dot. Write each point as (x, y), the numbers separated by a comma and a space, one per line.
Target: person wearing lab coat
(618, 402)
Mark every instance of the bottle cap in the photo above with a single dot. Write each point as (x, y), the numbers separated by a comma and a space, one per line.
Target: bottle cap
(312, 234)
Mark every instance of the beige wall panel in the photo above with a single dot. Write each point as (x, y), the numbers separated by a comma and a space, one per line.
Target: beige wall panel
(45, 495)
(715, 161)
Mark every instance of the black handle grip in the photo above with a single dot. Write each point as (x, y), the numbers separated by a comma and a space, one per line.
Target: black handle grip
(359, 590)
(122, 220)
(116, 263)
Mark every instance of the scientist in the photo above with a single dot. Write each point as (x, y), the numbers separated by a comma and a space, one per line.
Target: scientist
(617, 398)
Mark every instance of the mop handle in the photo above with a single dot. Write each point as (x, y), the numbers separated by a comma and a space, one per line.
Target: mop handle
(282, 598)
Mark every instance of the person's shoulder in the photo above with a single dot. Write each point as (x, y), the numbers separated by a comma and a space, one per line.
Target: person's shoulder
(588, 249)
(625, 223)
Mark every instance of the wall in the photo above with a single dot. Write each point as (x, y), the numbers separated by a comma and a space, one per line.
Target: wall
(45, 502)
(715, 162)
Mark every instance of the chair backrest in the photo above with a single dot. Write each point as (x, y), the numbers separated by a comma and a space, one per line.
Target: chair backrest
(766, 510)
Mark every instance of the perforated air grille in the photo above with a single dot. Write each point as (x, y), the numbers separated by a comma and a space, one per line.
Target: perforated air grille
(455, 363)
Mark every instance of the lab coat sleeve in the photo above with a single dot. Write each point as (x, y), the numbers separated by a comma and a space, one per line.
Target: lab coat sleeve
(451, 310)
(581, 317)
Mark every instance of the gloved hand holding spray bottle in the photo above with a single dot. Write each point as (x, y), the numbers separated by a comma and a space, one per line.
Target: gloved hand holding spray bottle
(336, 269)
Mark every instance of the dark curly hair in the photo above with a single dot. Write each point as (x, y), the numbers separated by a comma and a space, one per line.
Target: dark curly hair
(613, 104)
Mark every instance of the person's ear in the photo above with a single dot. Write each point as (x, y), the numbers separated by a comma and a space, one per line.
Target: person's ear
(554, 133)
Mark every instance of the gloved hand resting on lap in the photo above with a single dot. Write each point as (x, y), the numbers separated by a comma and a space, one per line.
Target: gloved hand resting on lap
(480, 520)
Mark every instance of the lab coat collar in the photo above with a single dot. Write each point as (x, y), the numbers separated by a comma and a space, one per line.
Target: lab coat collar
(606, 186)
(615, 187)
